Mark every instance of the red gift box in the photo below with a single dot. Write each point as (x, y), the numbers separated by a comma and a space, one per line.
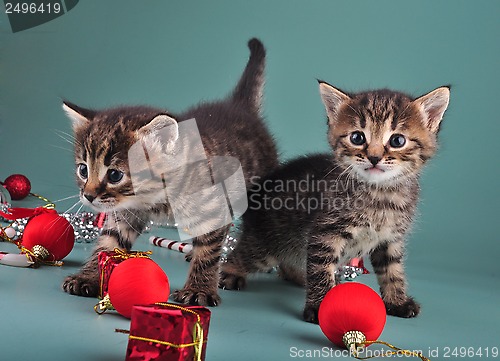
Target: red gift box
(108, 260)
(168, 332)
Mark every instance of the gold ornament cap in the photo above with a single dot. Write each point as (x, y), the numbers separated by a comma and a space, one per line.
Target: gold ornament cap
(353, 338)
(40, 252)
(103, 305)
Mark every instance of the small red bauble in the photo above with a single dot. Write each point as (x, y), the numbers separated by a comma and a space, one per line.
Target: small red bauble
(18, 186)
(137, 281)
(351, 307)
(52, 232)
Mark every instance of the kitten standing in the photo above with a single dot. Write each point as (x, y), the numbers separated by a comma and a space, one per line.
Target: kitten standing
(103, 142)
(316, 212)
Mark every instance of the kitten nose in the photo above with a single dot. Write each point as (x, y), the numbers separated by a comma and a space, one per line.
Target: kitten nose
(374, 160)
(89, 197)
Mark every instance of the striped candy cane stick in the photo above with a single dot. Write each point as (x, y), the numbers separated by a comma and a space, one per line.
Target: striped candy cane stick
(170, 244)
(16, 260)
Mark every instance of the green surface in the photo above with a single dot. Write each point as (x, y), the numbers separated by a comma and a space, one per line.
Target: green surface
(174, 53)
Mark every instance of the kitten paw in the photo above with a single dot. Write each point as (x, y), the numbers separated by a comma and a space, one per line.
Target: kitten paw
(191, 296)
(408, 309)
(311, 314)
(229, 281)
(81, 285)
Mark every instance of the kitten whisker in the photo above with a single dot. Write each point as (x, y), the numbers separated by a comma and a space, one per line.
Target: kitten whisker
(68, 226)
(70, 138)
(131, 226)
(331, 170)
(66, 198)
(62, 148)
(78, 210)
(351, 174)
(400, 118)
(135, 215)
(115, 218)
(346, 170)
(73, 217)
(406, 170)
(73, 206)
(354, 110)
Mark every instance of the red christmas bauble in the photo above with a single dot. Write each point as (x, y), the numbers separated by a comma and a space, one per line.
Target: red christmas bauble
(18, 186)
(52, 232)
(137, 281)
(351, 307)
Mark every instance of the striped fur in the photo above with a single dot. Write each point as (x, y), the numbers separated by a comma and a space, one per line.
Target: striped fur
(231, 127)
(360, 200)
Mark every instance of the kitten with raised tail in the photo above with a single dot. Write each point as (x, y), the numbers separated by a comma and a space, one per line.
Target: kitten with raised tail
(129, 187)
(317, 212)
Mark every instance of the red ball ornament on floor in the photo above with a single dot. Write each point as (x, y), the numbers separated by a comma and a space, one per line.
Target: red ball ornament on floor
(351, 307)
(137, 281)
(18, 186)
(49, 235)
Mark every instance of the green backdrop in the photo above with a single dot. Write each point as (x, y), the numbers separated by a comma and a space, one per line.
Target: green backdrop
(175, 53)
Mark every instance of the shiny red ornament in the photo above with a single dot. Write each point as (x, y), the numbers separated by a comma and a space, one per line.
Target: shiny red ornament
(351, 307)
(49, 235)
(18, 185)
(137, 281)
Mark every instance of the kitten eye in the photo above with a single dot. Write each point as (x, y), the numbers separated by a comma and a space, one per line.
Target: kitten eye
(358, 138)
(83, 171)
(114, 176)
(397, 140)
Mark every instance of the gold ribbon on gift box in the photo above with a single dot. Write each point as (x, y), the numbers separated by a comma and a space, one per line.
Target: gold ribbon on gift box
(198, 335)
(105, 304)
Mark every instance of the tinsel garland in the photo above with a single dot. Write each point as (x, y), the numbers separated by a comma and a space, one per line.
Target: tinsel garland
(84, 224)
(87, 230)
(348, 273)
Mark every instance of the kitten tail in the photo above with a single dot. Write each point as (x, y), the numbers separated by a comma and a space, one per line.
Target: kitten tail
(250, 87)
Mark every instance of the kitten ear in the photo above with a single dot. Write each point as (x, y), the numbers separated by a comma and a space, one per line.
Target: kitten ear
(80, 117)
(162, 126)
(433, 105)
(332, 98)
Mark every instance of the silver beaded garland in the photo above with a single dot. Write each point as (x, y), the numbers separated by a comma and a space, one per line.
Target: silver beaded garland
(85, 226)
(87, 231)
(153, 224)
(18, 226)
(227, 247)
(348, 273)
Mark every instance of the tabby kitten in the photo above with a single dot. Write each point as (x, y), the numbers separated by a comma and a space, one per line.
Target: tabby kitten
(317, 212)
(103, 141)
